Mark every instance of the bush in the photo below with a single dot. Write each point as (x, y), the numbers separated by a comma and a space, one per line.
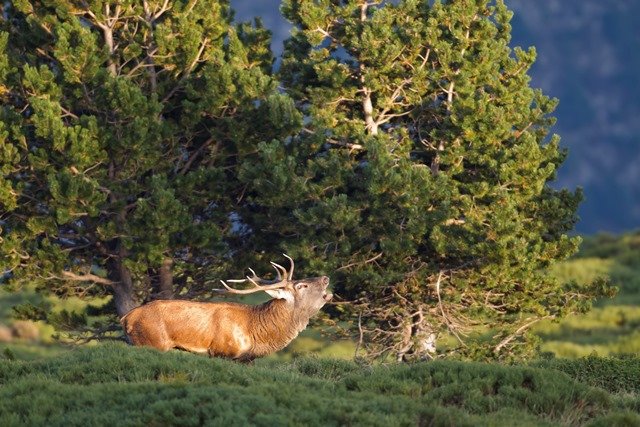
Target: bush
(617, 419)
(133, 386)
(615, 375)
(612, 328)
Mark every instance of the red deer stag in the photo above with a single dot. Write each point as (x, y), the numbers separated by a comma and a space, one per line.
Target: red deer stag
(225, 329)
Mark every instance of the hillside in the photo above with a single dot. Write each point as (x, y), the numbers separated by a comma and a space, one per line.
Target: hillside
(612, 327)
(120, 385)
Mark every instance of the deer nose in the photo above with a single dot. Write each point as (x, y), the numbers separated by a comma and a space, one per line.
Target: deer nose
(325, 280)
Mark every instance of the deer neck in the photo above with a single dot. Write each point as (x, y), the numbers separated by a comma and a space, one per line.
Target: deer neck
(277, 324)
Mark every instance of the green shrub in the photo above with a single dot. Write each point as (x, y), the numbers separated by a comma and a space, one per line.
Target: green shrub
(617, 419)
(611, 329)
(116, 384)
(615, 375)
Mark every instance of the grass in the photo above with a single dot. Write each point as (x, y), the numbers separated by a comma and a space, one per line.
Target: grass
(309, 343)
(115, 383)
(21, 350)
(617, 375)
(612, 328)
(608, 330)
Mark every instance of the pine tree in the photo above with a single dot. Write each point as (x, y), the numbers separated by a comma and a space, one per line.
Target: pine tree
(122, 130)
(421, 177)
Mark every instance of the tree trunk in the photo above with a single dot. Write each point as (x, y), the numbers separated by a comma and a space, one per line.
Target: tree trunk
(163, 288)
(406, 343)
(123, 291)
(418, 339)
(425, 342)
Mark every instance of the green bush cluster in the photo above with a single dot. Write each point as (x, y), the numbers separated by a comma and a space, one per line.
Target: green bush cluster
(606, 245)
(616, 375)
(623, 253)
(132, 386)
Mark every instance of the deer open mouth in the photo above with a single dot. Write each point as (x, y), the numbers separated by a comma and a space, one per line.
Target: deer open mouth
(327, 297)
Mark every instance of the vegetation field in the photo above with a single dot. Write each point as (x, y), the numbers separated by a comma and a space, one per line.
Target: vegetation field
(613, 326)
(150, 149)
(119, 385)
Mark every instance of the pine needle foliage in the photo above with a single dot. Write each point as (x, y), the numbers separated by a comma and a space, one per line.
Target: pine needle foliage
(146, 149)
(422, 177)
(122, 127)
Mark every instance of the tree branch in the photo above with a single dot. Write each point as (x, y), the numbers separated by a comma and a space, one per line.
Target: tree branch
(519, 331)
(444, 316)
(67, 275)
(344, 267)
(188, 71)
(194, 155)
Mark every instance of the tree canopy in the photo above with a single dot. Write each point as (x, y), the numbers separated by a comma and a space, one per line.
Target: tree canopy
(427, 158)
(123, 127)
(147, 148)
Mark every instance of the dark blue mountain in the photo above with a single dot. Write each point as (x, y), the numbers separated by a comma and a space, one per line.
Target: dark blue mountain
(589, 58)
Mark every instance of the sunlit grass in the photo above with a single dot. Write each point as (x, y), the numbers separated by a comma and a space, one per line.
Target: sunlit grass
(21, 350)
(612, 327)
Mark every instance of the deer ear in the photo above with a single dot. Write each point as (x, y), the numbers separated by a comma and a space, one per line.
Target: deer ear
(281, 294)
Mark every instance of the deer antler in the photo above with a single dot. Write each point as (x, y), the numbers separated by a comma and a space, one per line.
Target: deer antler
(292, 266)
(283, 277)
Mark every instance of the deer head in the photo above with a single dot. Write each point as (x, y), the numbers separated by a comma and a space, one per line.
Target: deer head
(307, 296)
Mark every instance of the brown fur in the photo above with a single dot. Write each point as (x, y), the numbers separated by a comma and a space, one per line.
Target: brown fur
(224, 329)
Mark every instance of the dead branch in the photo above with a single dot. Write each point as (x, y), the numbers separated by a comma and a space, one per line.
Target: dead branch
(361, 336)
(67, 275)
(188, 71)
(444, 316)
(518, 332)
